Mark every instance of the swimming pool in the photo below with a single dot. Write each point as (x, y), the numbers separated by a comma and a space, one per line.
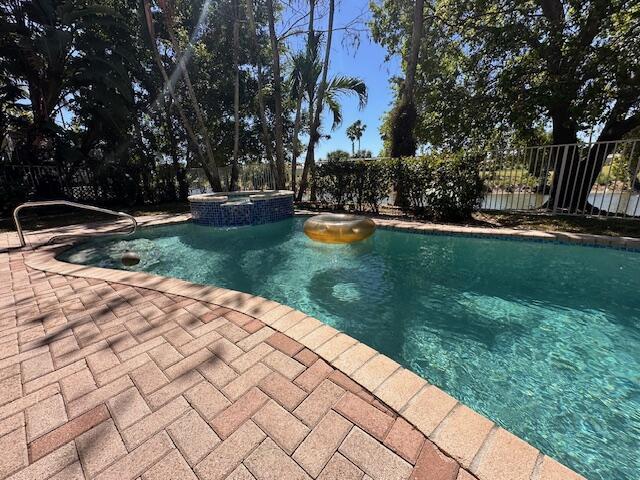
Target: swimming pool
(544, 339)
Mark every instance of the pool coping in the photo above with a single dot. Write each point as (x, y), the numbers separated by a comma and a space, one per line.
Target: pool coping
(501, 233)
(224, 197)
(487, 450)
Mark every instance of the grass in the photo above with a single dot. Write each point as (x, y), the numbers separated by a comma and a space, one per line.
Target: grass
(510, 176)
(57, 217)
(614, 227)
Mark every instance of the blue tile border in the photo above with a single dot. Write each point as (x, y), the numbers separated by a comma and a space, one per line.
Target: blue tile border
(256, 211)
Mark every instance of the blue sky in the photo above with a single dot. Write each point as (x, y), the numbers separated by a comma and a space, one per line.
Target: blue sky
(366, 62)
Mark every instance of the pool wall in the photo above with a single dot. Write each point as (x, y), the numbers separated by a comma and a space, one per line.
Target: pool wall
(234, 209)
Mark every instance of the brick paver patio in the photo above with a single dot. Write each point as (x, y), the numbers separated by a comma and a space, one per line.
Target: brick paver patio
(100, 379)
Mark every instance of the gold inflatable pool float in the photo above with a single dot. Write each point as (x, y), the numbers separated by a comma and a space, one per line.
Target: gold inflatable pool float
(339, 228)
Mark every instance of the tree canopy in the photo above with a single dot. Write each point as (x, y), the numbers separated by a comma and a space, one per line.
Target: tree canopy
(489, 71)
(135, 92)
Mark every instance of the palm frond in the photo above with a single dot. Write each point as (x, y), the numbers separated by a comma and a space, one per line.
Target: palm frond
(346, 85)
(335, 108)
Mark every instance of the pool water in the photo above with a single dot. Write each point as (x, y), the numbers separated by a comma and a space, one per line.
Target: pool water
(543, 339)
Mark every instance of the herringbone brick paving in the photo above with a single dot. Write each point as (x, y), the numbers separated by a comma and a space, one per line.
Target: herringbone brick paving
(103, 380)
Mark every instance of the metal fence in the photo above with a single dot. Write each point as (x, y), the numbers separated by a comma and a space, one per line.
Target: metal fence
(600, 179)
(50, 180)
(594, 179)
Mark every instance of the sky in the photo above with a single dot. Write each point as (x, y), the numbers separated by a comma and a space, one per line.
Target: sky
(368, 63)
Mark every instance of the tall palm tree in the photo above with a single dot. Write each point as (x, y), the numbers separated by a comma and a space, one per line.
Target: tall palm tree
(301, 73)
(307, 73)
(355, 132)
(337, 87)
(351, 135)
(253, 35)
(304, 85)
(315, 112)
(236, 97)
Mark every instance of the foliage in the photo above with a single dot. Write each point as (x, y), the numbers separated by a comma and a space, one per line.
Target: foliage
(339, 86)
(371, 183)
(338, 155)
(354, 133)
(334, 181)
(80, 90)
(456, 189)
(439, 187)
(363, 154)
(362, 184)
(492, 69)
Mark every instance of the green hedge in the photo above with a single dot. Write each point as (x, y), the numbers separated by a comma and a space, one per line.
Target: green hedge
(437, 187)
(360, 184)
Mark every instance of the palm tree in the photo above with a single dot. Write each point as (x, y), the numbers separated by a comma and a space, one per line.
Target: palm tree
(302, 72)
(351, 135)
(307, 73)
(304, 81)
(355, 132)
(236, 97)
(315, 112)
(337, 87)
(320, 92)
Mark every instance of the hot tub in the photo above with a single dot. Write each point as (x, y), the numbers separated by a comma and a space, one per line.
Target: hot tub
(234, 209)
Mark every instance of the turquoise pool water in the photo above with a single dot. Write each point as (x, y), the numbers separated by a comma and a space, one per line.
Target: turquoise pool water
(544, 339)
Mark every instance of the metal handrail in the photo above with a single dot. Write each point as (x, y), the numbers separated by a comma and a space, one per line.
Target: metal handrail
(17, 210)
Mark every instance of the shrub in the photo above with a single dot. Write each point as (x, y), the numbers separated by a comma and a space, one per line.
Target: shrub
(333, 182)
(371, 184)
(456, 188)
(435, 186)
(412, 179)
(362, 183)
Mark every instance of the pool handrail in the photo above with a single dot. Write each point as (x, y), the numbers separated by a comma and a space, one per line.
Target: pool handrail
(16, 219)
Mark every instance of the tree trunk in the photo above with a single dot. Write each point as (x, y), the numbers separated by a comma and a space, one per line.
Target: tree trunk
(214, 181)
(277, 98)
(236, 99)
(310, 94)
(574, 177)
(180, 173)
(403, 142)
(266, 138)
(416, 40)
(168, 17)
(314, 136)
(294, 148)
